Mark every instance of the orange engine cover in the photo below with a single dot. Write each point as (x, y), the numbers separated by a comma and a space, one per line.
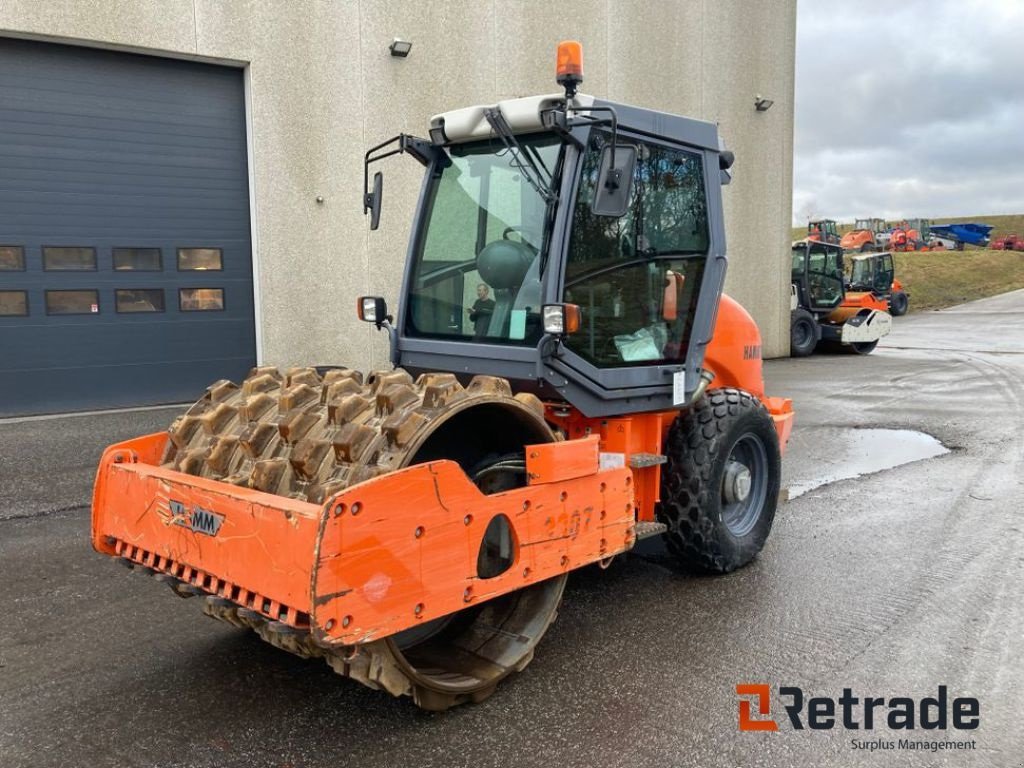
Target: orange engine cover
(734, 354)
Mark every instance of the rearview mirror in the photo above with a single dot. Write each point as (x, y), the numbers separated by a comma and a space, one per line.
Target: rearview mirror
(372, 201)
(614, 182)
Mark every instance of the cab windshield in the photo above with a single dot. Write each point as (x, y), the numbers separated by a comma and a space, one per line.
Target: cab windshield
(860, 273)
(477, 269)
(874, 273)
(824, 272)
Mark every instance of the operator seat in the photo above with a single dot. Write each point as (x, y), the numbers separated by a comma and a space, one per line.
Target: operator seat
(503, 265)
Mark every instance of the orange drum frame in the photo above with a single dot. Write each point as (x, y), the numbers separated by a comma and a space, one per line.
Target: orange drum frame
(351, 571)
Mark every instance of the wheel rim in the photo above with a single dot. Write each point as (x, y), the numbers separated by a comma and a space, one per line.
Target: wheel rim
(744, 484)
(802, 333)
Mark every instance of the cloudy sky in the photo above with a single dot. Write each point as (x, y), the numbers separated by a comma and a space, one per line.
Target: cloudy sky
(909, 108)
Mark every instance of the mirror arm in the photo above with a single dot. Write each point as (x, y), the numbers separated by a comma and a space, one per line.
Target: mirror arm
(388, 325)
(547, 348)
(614, 178)
(555, 119)
(371, 157)
(420, 149)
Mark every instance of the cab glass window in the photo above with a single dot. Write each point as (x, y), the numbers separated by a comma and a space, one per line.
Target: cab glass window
(637, 277)
(798, 262)
(824, 277)
(477, 269)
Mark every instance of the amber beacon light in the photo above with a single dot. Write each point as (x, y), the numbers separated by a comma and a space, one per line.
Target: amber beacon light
(569, 72)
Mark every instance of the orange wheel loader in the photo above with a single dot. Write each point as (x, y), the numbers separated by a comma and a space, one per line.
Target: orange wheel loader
(864, 236)
(415, 527)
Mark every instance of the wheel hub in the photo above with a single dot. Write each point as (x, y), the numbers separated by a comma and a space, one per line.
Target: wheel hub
(736, 484)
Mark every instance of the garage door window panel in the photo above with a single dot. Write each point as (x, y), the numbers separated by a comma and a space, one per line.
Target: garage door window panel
(135, 300)
(201, 299)
(138, 260)
(69, 259)
(13, 303)
(200, 260)
(12, 258)
(73, 302)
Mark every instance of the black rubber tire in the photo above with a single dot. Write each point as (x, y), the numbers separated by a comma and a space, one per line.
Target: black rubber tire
(899, 302)
(862, 347)
(700, 442)
(803, 333)
(866, 247)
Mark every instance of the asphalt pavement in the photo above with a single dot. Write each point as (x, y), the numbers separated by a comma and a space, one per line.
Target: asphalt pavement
(891, 584)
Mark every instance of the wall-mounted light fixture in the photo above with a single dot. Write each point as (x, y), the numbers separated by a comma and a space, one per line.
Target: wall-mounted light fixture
(400, 48)
(762, 104)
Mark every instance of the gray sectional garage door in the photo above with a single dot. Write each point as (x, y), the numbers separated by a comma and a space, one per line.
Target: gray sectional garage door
(125, 256)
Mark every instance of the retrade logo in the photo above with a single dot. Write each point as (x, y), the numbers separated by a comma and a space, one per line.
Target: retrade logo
(762, 696)
(851, 712)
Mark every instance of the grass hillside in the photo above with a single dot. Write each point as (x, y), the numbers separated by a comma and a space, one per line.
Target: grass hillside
(1003, 224)
(938, 279)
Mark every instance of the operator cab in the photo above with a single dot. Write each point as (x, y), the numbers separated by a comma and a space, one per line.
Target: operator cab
(869, 225)
(872, 272)
(595, 231)
(634, 277)
(823, 230)
(817, 275)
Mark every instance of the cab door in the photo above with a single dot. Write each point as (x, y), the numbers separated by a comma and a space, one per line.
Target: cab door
(798, 276)
(884, 274)
(636, 277)
(824, 278)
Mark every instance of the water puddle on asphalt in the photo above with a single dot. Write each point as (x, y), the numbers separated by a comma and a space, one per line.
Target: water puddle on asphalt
(843, 453)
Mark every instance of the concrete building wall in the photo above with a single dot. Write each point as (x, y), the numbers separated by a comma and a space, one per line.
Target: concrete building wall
(322, 88)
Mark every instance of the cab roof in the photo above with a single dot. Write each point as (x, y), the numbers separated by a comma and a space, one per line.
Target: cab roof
(524, 116)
